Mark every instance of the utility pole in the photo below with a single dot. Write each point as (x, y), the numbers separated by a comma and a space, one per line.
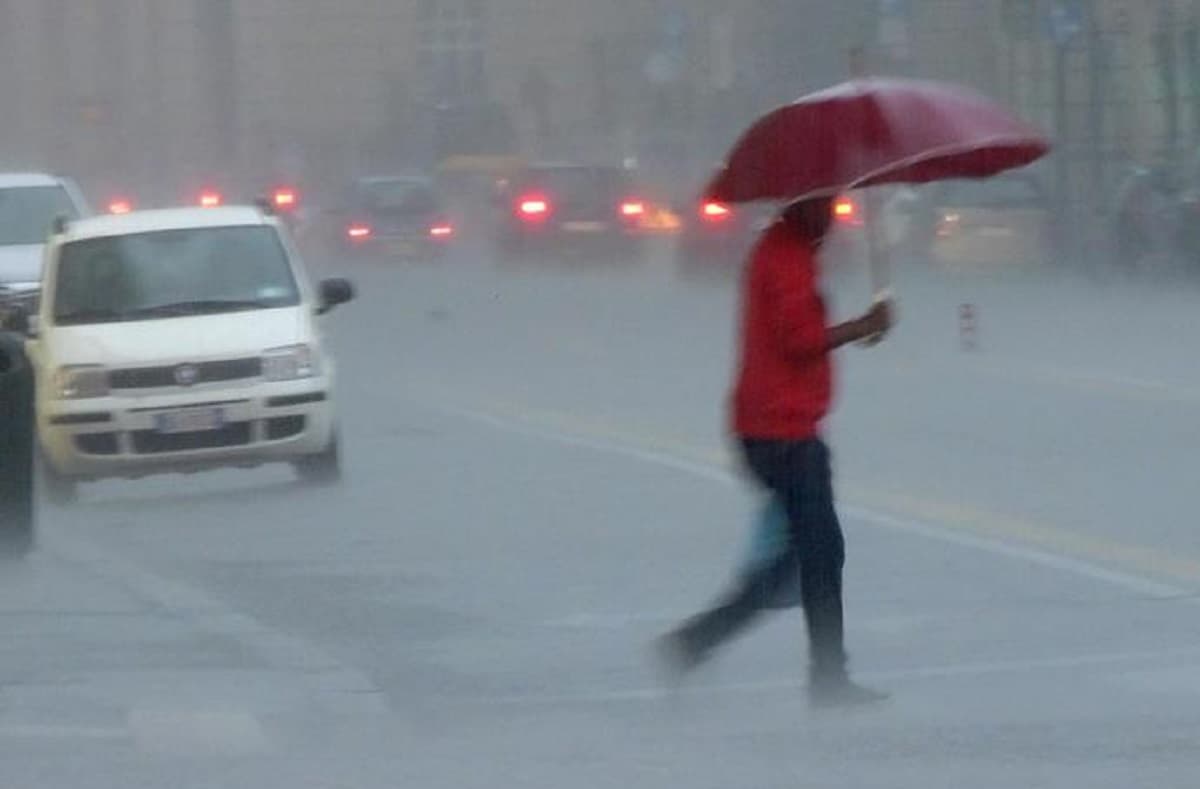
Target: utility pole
(1065, 26)
(156, 163)
(1169, 73)
(216, 25)
(1097, 61)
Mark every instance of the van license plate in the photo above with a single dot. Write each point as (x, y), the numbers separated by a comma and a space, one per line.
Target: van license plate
(192, 420)
(585, 227)
(402, 249)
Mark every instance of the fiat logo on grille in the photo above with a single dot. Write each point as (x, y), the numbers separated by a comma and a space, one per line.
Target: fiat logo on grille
(186, 374)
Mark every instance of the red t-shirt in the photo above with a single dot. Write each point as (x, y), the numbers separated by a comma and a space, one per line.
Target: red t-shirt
(785, 382)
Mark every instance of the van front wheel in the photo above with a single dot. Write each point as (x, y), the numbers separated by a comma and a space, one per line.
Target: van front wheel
(57, 489)
(323, 468)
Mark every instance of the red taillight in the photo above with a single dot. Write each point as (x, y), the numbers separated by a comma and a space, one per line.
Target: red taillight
(285, 199)
(845, 210)
(120, 206)
(444, 230)
(358, 232)
(210, 199)
(533, 208)
(633, 209)
(715, 212)
(948, 224)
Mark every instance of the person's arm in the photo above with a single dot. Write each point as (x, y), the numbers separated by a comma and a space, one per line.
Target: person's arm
(800, 315)
(846, 333)
(871, 328)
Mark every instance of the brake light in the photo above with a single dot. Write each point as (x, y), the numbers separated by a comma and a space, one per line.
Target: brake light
(120, 206)
(845, 210)
(210, 199)
(285, 198)
(633, 209)
(715, 212)
(948, 224)
(441, 231)
(358, 232)
(533, 207)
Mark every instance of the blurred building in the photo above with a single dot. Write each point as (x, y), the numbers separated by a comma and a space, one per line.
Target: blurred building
(1115, 82)
(170, 93)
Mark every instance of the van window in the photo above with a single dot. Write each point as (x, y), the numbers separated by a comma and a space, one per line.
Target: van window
(27, 213)
(172, 273)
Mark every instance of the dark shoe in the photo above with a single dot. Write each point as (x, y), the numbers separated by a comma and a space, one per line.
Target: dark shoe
(842, 693)
(674, 658)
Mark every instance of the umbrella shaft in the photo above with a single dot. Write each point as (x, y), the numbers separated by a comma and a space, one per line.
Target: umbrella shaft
(876, 251)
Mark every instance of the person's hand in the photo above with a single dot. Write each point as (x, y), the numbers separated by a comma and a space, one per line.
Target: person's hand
(876, 324)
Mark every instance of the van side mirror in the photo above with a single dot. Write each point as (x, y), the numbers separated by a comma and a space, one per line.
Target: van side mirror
(335, 291)
(15, 318)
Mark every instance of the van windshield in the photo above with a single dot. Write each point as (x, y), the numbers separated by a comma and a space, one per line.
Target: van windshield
(171, 274)
(27, 213)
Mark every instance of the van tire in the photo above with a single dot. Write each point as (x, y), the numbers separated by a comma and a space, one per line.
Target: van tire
(59, 490)
(322, 468)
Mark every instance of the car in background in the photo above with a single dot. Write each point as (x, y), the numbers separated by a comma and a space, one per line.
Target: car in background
(401, 216)
(718, 237)
(566, 209)
(180, 340)
(1006, 220)
(30, 203)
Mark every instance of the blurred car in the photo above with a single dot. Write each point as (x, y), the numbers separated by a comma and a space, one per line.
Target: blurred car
(571, 208)
(1006, 220)
(180, 340)
(716, 237)
(29, 205)
(119, 205)
(392, 216)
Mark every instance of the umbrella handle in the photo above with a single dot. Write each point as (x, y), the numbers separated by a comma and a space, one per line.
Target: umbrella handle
(880, 265)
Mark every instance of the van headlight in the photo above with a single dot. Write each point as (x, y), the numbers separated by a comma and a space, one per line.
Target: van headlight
(80, 382)
(290, 363)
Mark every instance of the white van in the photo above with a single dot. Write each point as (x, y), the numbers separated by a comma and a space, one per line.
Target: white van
(180, 340)
(29, 204)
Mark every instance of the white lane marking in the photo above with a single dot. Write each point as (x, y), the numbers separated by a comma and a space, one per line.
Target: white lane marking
(1134, 583)
(991, 668)
(196, 731)
(612, 620)
(615, 620)
(41, 731)
(1095, 572)
(1132, 387)
(525, 428)
(338, 683)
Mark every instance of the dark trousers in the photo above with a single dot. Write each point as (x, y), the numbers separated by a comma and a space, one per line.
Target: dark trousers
(799, 473)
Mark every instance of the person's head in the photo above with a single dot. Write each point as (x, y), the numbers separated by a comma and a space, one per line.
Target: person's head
(810, 219)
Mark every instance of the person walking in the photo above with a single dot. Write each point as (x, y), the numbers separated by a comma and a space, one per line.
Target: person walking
(783, 392)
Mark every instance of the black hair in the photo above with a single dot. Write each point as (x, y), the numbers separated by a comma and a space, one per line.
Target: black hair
(810, 218)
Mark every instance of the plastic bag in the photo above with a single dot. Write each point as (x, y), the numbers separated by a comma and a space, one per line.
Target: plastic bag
(769, 539)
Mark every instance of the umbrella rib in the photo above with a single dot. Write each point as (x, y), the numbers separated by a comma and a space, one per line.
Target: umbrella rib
(944, 151)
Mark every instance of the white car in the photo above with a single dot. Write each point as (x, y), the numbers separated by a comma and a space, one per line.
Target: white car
(180, 340)
(29, 204)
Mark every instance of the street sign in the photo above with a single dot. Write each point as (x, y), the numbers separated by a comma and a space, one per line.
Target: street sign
(1064, 22)
(666, 64)
(895, 37)
(1020, 18)
(663, 68)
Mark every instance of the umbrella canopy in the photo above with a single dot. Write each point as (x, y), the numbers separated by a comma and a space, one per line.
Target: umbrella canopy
(870, 132)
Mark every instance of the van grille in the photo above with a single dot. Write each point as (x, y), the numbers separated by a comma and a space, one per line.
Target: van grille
(168, 376)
